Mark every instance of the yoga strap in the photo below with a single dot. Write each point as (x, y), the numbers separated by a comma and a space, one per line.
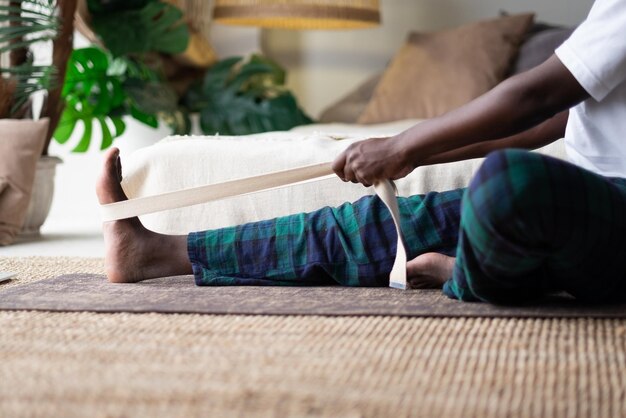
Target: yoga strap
(196, 195)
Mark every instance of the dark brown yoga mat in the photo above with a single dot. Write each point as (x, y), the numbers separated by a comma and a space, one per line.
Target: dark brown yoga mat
(85, 292)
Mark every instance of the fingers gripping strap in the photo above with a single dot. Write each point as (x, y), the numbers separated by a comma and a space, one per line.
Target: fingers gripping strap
(196, 195)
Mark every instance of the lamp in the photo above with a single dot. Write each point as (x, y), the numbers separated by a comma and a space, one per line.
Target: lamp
(298, 14)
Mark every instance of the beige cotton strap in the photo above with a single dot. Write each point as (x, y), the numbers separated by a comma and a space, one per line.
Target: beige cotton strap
(386, 192)
(196, 195)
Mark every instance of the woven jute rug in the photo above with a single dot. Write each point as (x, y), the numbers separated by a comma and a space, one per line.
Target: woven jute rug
(93, 293)
(188, 365)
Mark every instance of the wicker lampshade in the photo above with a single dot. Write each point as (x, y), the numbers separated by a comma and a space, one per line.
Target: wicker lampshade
(299, 14)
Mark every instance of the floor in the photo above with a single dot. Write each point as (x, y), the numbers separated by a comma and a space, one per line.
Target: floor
(78, 364)
(55, 243)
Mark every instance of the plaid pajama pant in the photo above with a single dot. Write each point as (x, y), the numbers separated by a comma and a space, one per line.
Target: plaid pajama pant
(527, 224)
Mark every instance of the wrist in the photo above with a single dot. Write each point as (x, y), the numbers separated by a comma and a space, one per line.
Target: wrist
(406, 149)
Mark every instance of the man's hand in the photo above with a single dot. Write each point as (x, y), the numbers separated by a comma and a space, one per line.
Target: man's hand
(371, 160)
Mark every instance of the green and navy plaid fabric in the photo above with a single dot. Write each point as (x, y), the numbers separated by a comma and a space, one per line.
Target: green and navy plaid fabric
(527, 224)
(532, 224)
(352, 245)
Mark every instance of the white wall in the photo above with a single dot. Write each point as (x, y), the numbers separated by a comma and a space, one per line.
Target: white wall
(324, 65)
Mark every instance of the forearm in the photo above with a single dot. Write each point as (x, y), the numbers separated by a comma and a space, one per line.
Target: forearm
(514, 106)
(533, 138)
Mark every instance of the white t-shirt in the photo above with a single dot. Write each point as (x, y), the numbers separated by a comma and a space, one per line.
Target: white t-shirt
(595, 54)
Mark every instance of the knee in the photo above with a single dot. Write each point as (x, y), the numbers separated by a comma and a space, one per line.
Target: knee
(507, 183)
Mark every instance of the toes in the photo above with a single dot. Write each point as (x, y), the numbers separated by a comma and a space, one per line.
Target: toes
(431, 265)
(112, 166)
(425, 282)
(419, 266)
(108, 187)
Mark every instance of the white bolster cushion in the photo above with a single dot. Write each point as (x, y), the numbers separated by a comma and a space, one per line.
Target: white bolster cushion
(177, 163)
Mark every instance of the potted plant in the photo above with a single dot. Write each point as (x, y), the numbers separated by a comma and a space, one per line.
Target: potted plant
(124, 72)
(23, 24)
(149, 62)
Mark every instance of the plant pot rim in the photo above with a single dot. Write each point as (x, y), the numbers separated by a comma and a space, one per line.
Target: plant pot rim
(48, 162)
(51, 159)
(23, 120)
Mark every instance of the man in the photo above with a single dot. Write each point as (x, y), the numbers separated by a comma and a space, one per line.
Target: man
(525, 225)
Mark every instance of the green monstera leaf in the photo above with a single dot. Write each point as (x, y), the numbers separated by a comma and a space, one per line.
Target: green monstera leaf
(99, 90)
(93, 96)
(239, 97)
(156, 26)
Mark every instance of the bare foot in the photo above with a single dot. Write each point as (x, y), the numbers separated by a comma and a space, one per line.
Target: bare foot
(429, 270)
(133, 253)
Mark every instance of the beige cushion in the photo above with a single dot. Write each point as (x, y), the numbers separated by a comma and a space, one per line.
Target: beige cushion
(437, 72)
(21, 144)
(350, 107)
